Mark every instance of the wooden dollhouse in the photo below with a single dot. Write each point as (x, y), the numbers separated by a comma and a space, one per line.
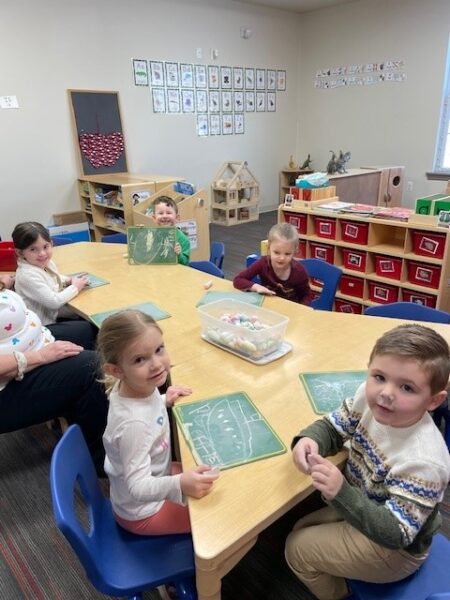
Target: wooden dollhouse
(234, 195)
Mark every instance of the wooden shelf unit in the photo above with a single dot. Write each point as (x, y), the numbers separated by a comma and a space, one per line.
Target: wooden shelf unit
(108, 200)
(287, 179)
(382, 266)
(234, 195)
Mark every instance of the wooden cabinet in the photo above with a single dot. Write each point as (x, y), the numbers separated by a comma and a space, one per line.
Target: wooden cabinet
(234, 195)
(108, 200)
(378, 185)
(383, 261)
(287, 179)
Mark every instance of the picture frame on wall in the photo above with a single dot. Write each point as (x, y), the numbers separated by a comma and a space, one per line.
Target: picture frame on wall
(172, 78)
(214, 124)
(227, 105)
(186, 75)
(157, 73)
(213, 77)
(173, 100)
(200, 76)
(260, 79)
(187, 101)
(140, 72)
(201, 101)
(227, 124)
(249, 79)
(238, 78)
(238, 123)
(202, 125)
(159, 100)
(225, 78)
(249, 101)
(260, 101)
(271, 102)
(271, 79)
(281, 80)
(238, 102)
(214, 101)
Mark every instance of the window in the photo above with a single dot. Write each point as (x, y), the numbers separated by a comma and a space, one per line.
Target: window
(442, 157)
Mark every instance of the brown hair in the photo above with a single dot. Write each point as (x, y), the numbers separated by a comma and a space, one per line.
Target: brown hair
(285, 232)
(26, 234)
(419, 343)
(165, 200)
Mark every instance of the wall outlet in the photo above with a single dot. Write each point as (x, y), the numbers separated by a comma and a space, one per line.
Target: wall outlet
(409, 186)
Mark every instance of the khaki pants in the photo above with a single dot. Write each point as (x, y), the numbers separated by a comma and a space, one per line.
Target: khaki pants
(323, 549)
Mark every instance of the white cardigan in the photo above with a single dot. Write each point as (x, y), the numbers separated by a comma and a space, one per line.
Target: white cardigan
(43, 289)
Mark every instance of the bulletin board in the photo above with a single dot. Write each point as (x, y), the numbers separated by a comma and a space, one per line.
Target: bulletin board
(98, 131)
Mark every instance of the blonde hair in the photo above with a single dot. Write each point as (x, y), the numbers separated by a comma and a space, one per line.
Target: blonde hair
(419, 343)
(116, 333)
(284, 232)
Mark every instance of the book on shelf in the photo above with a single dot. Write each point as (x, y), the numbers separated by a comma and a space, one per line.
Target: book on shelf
(397, 213)
(335, 206)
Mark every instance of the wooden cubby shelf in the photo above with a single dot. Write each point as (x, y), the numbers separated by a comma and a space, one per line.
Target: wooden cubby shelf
(382, 261)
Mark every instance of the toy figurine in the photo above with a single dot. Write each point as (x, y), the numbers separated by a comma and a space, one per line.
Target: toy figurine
(292, 164)
(307, 163)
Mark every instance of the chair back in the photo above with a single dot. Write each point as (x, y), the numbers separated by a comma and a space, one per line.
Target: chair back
(329, 275)
(59, 240)
(115, 238)
(409, 311)
(207, 267)
(217, 253)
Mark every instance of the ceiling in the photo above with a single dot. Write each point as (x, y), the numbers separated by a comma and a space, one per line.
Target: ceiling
(299, 6)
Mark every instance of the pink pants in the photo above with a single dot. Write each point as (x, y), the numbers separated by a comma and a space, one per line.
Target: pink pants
(171, 517)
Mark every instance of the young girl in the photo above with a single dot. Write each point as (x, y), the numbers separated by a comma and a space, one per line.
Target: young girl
(40, 284)
(279, 273)
(146, 488)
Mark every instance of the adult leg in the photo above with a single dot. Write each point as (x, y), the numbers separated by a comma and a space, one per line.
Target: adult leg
(79, 332)
(323, 550)
(67, 388)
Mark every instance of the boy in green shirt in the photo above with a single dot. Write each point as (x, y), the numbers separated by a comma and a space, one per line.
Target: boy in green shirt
(165, 214)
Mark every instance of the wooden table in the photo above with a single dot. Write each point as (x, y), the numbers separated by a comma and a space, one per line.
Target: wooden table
(246, 499)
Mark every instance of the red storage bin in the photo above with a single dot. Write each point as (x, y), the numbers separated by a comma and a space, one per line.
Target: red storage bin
(325, 228)
(7, 257)
(424, 274)
(301, 249)
(322, 251)
(347, 307)
(354, 259)
(298, 221)
(352, 286)
(429, 244)
(355, 232)
(382, 293)
(419, 298)
(388, 266)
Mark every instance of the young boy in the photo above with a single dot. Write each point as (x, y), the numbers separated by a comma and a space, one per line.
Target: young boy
(165, 214)
(279, 272)
(382, 513)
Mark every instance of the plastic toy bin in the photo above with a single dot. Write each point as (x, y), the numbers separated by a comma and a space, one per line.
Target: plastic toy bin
(325, 228)
(419, 298)
(347, 307)
(297, 220)
(354, 232)
(355, 260)
(424, 274)
(242, 328)
(352, 286)
(7, 257)
(322, 251)
(429, 244)
(388, 266)
(382, 293)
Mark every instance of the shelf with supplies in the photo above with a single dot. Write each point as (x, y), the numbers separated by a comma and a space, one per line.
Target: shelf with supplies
(382, 261)
(234, 195)
(108, 200)
(287, 179)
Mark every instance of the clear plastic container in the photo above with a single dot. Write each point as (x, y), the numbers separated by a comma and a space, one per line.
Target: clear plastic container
(224, 324)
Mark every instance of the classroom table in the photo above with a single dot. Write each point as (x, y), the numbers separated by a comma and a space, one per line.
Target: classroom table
(246, 499)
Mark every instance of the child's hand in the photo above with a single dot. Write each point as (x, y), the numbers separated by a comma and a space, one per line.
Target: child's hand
(8, 281)
(198, 482)
(80, 281)
(177, 249)
(260, 289)
(175, 391)
(303, 449)
(326, 477)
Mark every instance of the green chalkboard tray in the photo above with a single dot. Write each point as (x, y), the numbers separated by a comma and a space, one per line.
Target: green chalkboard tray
(327, 389)
(146, 307)
(247, 297)
(152, 245)
(227, 431)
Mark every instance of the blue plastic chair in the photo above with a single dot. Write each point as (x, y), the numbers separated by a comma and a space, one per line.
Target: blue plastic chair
(61, 241)
(207, 267)
(430, 582)
(409, 311)
(115, 238)
(217, 253)
(118, 563)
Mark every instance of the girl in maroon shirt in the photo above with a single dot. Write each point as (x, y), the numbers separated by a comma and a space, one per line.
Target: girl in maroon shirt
(280, 274)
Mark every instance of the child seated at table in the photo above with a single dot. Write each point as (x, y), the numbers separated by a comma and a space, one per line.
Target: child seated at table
(147, 490)
(381, 514)
(280, 274)
(165, 214)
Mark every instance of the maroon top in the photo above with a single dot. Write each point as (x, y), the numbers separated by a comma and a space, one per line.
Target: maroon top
(295, 287)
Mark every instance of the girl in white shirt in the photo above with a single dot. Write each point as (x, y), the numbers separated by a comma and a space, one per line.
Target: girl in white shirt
(146, 488)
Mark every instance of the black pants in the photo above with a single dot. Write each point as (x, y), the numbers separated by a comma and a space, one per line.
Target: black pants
(66, 388)
(77, 331)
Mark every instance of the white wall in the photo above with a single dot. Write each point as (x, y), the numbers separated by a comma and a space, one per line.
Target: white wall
(53, 45)
(388, 123)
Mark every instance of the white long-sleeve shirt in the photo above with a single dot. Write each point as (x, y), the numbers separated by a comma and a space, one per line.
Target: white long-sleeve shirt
(43, 289)
(138, 460)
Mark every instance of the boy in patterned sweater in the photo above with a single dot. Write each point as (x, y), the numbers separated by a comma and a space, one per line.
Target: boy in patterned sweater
(381, 514)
